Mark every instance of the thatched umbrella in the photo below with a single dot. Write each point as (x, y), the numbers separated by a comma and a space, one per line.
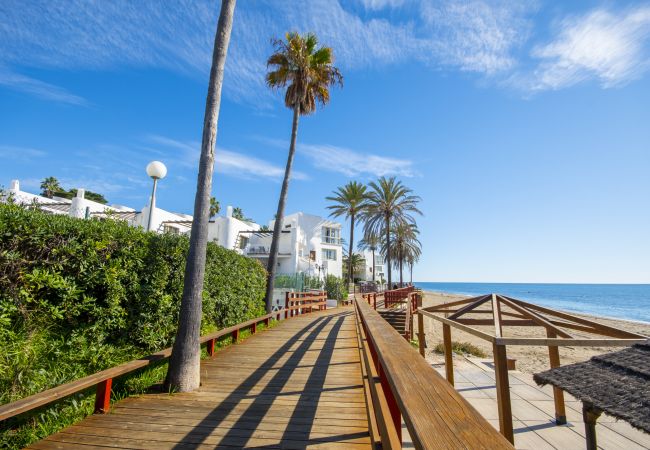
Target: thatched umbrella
(617, 383)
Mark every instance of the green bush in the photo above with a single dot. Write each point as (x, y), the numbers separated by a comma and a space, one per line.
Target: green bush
(79, 296)
(337, 288)
(461, 348)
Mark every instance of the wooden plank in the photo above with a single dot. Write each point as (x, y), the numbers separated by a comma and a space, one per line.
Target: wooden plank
(558, 394)
(435, 414)
(535, 317)
(469, 307)
(455, 324)
(562, 342)
(496, 316)
(503, 392)
(449, 353)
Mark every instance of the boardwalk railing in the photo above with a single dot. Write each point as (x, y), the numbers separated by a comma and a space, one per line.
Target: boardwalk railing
(402, 385)
(301, 303)
(388, 299)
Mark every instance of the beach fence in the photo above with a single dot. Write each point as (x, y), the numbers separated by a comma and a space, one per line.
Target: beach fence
(499, 311)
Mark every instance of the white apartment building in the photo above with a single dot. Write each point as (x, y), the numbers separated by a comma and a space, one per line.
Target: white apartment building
(378, 267)
(308, 244)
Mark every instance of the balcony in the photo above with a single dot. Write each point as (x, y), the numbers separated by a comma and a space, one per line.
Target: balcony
(263, 251)
(332, 240)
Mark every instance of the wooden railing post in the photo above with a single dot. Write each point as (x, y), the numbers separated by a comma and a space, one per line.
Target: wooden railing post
(503, 392)
(103, 396)
(558, 394)
(422, 344)
(267, 322)
(235, 336)
(449, 358)
(286, 305)
(209, 346)
(374, 297)
(254, 328)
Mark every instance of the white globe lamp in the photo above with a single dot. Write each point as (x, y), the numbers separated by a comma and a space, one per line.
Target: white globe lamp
(157, 171)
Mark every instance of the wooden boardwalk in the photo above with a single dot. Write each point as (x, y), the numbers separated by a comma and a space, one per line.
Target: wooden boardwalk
(297, 385)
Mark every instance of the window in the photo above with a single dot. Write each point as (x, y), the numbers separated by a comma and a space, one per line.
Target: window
(379, 260)
(331, 235)
(243, 242)
(170, 229)
(329, 254)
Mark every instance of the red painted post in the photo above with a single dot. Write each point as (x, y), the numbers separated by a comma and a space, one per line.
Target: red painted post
(210, 347)
(286, 304)
(254, 328)
(235, 336)
(267, 321)
(103, 397)
(392, 403)
(374, 296)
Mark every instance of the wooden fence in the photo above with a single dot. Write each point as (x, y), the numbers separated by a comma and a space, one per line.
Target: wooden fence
(299, 303)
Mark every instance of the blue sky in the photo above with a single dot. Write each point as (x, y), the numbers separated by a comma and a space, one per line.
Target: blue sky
(524, 126)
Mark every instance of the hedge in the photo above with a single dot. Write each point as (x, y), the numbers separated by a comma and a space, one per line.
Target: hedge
(78, 296)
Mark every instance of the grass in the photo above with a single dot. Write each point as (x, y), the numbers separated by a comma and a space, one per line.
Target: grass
(462, 348)
(25, 429)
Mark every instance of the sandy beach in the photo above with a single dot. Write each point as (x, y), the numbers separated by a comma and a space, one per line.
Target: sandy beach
(529, 359)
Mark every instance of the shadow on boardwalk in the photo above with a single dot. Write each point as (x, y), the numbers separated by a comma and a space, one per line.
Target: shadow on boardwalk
(297, 385)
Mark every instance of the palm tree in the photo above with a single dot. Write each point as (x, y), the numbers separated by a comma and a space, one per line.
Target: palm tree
(49, 186)
(184, 373)
(307, 72)
(370, 242)
(349, 201)
(215, 207)
(356, 262)
(404, 245)
(389, 202)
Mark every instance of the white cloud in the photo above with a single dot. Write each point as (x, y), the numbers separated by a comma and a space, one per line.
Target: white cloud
(353, 164)
(20, 153)
(227, 162)
(611, 47)
(39, 88)
(476, 36)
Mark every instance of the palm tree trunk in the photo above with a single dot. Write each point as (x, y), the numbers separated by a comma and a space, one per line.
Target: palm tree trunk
(374, 266)
(350, 275)
(411, 268)
(388, 251)
(401, 277)
(279, 216)
(184, 366)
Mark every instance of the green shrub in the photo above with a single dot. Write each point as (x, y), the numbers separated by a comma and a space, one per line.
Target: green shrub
(79, 296)
(462, 348)
(337, 288)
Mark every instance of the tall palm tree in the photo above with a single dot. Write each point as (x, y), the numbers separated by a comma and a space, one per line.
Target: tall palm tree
(389, 202)
(403, 246)
(49, 186)
(348, 201)
(184, 365)
(215, 207)
(307, 72)
(370, 242)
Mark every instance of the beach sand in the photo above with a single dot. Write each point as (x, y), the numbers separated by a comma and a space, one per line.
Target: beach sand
(529, 359)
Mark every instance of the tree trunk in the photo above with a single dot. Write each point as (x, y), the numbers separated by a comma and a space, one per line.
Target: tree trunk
(411, 268)
(184, 373)
(279, 217)
(388, 252)
(350, 275)
(401, 276)
(374, 266)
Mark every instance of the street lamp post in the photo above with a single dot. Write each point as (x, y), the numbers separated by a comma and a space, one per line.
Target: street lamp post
(157, 171)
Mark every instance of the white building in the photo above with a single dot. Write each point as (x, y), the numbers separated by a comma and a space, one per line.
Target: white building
(230, 232)
(378, 267)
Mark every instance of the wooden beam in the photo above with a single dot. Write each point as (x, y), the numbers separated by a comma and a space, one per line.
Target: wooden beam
(454, 303)
(469, 307)
(558, 394)
(496, 316)
(536, 317)
(505, 322)
(503, 392)
(422, 343)
(455, 324)
(449, 354)
(598, 327)
(545, 342)
(590, 416)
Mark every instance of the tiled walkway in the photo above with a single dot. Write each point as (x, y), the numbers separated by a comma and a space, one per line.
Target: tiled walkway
(533, 411)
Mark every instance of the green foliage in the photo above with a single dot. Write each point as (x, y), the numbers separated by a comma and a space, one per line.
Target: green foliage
(462, 348)
(88, 195)
(79, 296)
(298, 282)
(337, 288)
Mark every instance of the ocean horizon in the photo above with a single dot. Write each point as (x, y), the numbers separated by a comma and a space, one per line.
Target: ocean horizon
(617, 301)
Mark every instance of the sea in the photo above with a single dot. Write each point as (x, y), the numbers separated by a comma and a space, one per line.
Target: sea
(619, 301)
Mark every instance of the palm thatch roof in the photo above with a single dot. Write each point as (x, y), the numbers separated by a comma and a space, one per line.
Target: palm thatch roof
(617, 383)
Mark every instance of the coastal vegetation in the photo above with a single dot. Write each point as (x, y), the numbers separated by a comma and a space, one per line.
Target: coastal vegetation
(461, 348)
(50, 187)
(79, 296)
(387, 209)
(307, 72)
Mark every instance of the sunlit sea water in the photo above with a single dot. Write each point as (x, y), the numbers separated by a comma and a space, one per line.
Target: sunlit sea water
(623, 301)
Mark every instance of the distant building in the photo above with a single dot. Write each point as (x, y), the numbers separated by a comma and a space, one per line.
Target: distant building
(378, 268)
